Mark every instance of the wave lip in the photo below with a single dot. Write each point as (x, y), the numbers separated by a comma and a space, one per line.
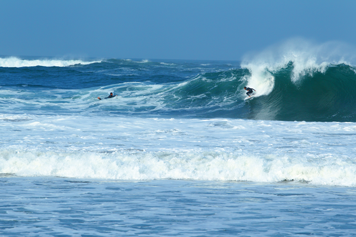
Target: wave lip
(302, 80)
(306, 57)
(18, 62)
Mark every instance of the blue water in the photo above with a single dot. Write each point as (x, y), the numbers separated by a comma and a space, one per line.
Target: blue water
(178, 151)
(67, 207)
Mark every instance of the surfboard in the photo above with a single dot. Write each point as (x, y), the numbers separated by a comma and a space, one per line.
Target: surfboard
(250, 97)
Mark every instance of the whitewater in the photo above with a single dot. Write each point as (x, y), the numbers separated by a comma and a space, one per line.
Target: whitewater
(179, 151)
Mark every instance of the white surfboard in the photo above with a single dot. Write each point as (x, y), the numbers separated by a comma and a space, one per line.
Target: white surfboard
(250, 97)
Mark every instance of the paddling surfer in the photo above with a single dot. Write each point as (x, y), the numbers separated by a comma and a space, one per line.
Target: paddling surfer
(110, 96)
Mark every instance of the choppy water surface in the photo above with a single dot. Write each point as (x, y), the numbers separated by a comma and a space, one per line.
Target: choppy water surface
(76, 207)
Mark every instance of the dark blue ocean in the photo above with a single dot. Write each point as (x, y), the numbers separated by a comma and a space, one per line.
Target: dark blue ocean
(180, 150)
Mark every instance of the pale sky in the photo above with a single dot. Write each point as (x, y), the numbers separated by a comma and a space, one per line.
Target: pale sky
(168, 29)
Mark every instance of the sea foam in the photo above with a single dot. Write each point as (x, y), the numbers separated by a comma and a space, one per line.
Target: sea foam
(18, 62)
(120, 148)
(208, 165)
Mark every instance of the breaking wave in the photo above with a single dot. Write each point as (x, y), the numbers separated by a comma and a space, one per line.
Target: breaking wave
(18, 62)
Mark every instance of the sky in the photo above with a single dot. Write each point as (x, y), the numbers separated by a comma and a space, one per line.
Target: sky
(168, 29)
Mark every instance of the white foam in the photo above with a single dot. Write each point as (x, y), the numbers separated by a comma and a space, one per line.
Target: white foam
(167, 64)
(307, 57)
(17, 62)
(144, 61)
(192, 165)
(130, 148)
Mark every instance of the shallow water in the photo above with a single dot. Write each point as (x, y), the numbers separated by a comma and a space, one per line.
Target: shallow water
(75, 207)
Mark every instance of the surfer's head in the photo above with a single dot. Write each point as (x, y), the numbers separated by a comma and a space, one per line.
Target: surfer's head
(110, 93)
(245, 87)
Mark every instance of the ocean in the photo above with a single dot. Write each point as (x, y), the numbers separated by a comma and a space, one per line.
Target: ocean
(179, 151)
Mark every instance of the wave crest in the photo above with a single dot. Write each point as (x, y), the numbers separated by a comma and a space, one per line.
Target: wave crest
(307, 58)
(18, 62)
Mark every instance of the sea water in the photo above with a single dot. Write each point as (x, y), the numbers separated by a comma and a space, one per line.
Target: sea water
(178, 151)
(49, 206)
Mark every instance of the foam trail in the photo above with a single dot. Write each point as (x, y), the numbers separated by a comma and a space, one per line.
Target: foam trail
(17, 62)
(305, 56)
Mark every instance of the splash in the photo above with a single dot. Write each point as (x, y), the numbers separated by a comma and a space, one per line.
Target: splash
(306, 58)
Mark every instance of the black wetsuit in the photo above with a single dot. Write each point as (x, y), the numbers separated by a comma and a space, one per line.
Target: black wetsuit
(249, 91)
(110, 96)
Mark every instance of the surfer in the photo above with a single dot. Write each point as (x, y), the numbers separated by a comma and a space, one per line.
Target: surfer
(110, 96)
(249, 91)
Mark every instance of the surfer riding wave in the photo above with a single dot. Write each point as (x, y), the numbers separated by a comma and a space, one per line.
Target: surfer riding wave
(249, 91)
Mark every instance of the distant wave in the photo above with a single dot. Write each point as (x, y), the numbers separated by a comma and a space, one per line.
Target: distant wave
(18, 62)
